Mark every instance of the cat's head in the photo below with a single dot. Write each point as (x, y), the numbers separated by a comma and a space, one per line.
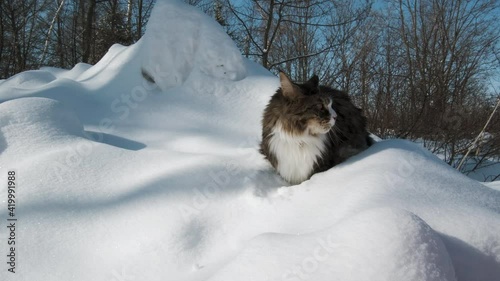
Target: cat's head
(302, 108)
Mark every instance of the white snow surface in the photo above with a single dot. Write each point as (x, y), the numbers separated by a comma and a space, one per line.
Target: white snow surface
(197, 46)
(121, 179)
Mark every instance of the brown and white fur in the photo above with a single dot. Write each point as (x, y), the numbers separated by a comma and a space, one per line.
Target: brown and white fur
(309, 128)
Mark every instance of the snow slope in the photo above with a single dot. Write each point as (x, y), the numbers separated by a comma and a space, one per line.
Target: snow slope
(121, 179)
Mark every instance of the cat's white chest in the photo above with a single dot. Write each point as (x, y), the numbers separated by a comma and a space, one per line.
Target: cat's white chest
(296, 155)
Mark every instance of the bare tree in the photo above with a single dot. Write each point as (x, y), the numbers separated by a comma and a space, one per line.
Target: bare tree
(260, 21)
(46, 45)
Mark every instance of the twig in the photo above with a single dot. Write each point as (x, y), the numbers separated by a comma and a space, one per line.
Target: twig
(479, 135)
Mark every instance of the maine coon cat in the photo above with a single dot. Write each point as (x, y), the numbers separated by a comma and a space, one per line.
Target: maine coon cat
(309, 128)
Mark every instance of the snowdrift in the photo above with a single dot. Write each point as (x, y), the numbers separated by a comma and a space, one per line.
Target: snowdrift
(122, 179)
(194, 44)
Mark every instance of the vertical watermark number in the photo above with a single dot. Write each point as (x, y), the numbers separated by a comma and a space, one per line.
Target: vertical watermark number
(11, 221)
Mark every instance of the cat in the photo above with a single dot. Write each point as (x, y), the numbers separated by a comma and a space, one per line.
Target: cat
(309, 128)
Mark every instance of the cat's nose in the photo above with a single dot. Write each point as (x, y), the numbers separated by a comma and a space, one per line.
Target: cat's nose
(333, 114)
(332, 121)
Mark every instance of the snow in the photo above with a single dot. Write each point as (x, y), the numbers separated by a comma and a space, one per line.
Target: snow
(122, 179)
(195, 47)
(494, 185)
(489, 170)
(400, 247)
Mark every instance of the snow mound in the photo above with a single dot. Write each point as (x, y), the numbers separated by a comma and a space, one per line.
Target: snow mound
(32, 127)
(29, 79)
(73, 73)
(179, 40)
(108, 62)
(378, 244)
(35, 118)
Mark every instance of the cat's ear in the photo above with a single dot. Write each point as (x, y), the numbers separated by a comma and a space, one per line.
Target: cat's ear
(314, 81)
(288, 89)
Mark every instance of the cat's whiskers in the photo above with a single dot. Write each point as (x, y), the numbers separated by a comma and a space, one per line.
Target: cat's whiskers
(334, 139)
(338, 130)
(331, 138)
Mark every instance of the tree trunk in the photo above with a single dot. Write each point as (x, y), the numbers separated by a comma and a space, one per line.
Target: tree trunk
(139, 19)
(60, 40)
(87, 33)
(267, 32)
(129, 20)
(49, 32)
